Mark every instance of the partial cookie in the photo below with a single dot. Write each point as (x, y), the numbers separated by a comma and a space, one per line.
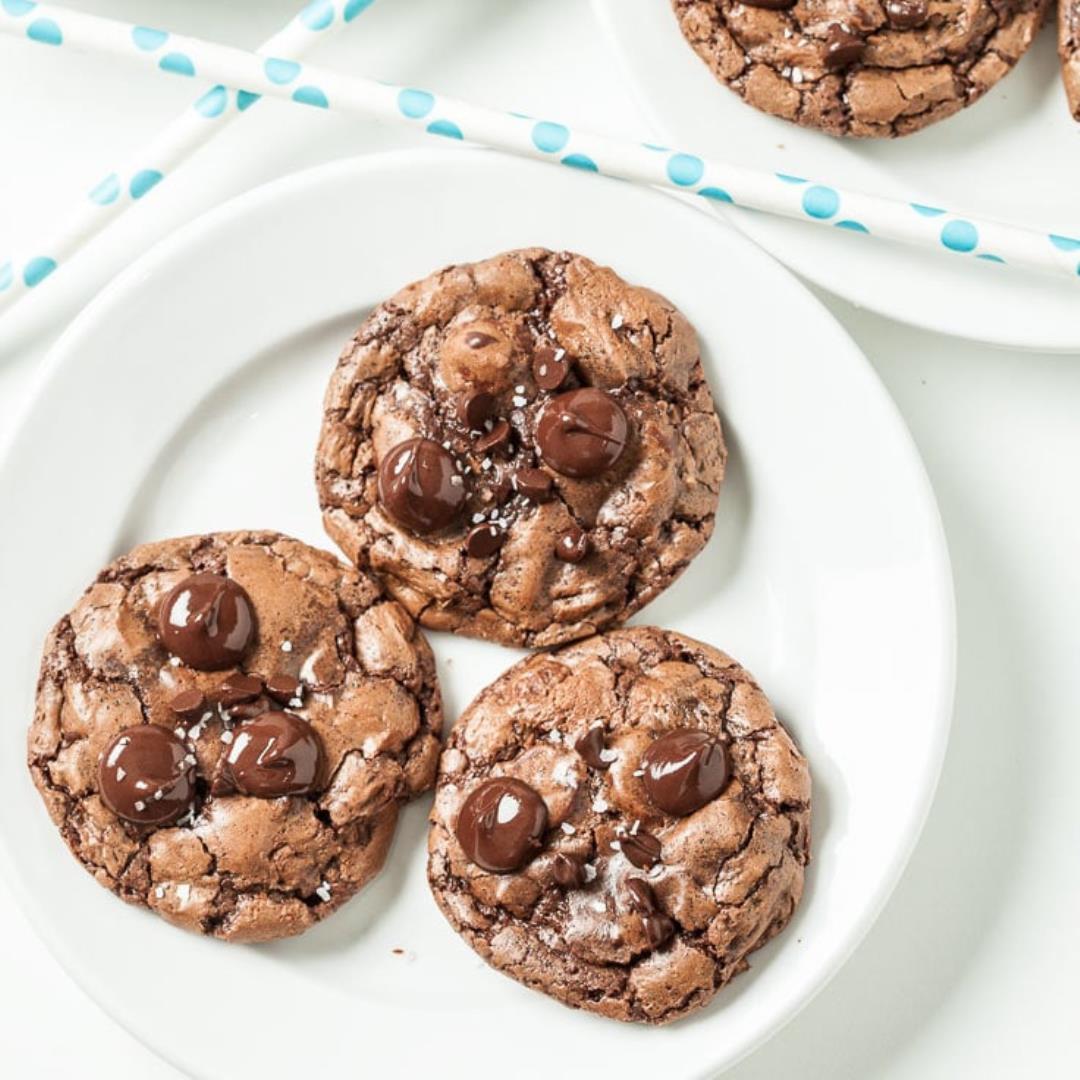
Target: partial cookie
(226, 727)
(619, 824)
(1069, 51)
(523, 449)
(868, 69)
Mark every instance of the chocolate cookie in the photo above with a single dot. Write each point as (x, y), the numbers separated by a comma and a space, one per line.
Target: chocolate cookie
(523, 449)
(226, 727)
(1069, 51)
(879, 69)
(619, 824)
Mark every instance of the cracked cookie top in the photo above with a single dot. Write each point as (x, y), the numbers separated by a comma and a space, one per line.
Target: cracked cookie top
(522, 449)
(226, 727)
(876, 68)
(619, 824)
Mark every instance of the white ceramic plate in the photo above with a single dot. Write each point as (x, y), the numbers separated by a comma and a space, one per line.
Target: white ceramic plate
(187, 398)
(1014, 155)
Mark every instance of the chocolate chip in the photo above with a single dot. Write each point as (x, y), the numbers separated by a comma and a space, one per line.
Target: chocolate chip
(498, 438)
(146, 776)
(684, 770)
(247, 710)
(284, 688)
(658, 928)
(572, 544)
(501, 824)
(275, 754)
(591, 747)
(568, 871)
(582, 433)
(208, 621)
(640, 896)
(642, 849)
(842, 48)
(550, 367)
(534, 484)
(906, 14)
(475, 408)
(477, 339)
(420, 487)
(239, 688)
(188, 704)
(484, 540)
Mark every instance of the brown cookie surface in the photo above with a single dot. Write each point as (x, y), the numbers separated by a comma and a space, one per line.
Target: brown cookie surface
(868, 68)
(1069, 51)
(522, 449)
(671, 836)
(245, 780)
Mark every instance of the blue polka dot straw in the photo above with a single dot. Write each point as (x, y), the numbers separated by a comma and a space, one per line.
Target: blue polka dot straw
(101, 202)
(860, 217)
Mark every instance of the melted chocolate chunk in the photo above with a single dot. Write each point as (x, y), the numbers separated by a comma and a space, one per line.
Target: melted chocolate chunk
(640, 895)
(550, 367)
(238, 689)
(147, 776)
(208, 621)
(483, 541)
(642, 900)
(534, 484)
(501, 824)
(591, 747)
(498, 438)
(572, 544)
(275, 754)
(569, 871)
(582, 433)
(906, 14)
(658, 928)
(417, 488)
(284, 688)
(475, 408)
(188, 704)
(642, 849)
(684, 769)
(842, 48)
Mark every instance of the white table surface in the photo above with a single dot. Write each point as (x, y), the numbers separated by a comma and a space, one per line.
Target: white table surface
(971, 970)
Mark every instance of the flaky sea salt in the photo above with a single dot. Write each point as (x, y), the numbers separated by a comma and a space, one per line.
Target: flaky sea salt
(286, 646)
(568, 828)
(616, 321)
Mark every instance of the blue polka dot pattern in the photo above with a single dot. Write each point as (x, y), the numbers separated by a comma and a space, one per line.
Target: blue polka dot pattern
(926, 211)
(355, 7)
(19, 7)
(415, 103)
(852, 226)
(445, 127)
(177, 63)
(45, 31)
(653, 146)
(281, 71)
(213, 102)
(106, 192)
(685, 169)
(245, 99)
(311, 95)
(143, 181)
(1064, 243)
(717, 193)
(318, 15)
(37, 270)
(990, 258)
(959, 235)
(789, 179)
(580, 161)
(549, 137)
(147, 38)
(820, 202)
(7, 275)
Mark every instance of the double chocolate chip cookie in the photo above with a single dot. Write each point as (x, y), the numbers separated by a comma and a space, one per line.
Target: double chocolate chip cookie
(226, 728)
(1069, 51)
(619, 824)
(876, 68)
(523, 449)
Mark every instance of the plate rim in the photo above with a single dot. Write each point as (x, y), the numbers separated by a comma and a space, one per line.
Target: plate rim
(190, 235)
(604, 12)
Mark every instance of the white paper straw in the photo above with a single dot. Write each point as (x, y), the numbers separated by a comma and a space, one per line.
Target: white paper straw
(909, 221)
(140, 173)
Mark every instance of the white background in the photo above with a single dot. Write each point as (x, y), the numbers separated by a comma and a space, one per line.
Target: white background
(971, 970)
